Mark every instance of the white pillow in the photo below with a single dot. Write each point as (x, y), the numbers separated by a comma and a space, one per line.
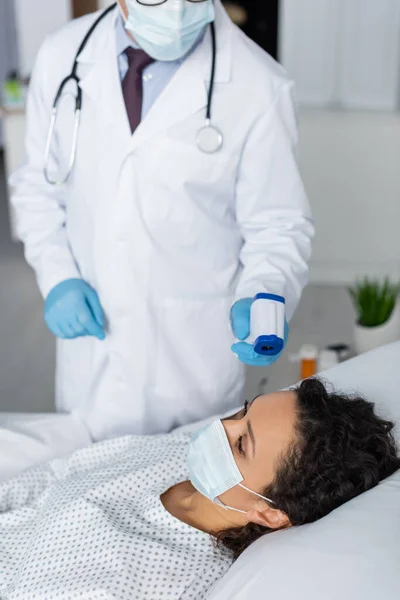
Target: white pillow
(29, 439)
(353, 553)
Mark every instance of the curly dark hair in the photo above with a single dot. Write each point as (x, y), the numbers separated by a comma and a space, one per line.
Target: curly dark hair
(342, 450)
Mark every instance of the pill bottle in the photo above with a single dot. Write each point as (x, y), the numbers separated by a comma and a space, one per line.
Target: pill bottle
(308, 361)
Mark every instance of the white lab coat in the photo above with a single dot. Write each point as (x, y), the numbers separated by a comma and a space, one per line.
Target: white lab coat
(169, 236)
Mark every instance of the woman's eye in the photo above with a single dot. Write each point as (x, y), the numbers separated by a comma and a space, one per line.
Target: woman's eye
(240, 445)
(246, 408)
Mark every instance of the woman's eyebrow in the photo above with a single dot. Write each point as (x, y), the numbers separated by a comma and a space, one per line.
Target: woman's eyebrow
(251, 435)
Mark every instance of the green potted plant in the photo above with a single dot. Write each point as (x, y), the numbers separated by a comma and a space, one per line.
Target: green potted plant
(378, 313)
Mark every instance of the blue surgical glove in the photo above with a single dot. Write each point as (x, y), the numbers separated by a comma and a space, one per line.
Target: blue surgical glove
(240, 322)
(72, 309)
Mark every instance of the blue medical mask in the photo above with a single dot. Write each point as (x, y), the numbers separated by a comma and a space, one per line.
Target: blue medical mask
(212, 467)
(168, 31)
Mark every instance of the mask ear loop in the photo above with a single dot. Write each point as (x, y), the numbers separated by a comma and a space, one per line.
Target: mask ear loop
(226, 507)
(243, 512)
(256, 494)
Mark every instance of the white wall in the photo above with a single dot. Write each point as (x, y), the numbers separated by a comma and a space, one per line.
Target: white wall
(34, 20)
(343, 52)
(346, 54)
(369, 61)
(350, 162)
(309, 48)
(105, 3)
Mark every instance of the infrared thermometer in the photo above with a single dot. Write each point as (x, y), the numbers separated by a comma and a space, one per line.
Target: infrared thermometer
(267, 324)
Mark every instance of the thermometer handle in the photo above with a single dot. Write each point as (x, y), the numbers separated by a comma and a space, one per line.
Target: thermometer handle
(267, 324)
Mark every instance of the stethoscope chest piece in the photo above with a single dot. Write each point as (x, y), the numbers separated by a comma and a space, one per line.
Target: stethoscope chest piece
(210, 139)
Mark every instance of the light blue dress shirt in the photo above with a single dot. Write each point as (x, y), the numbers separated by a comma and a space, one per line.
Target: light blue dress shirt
(155, 77)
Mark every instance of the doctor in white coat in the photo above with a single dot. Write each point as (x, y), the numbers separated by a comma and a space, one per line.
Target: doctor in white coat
(143, 251)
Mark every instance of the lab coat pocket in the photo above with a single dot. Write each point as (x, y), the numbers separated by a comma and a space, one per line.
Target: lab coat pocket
(73, 373)
(189, 183)
(194, 362)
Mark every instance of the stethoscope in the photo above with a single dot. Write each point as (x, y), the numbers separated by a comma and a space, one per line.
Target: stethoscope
(209, 138)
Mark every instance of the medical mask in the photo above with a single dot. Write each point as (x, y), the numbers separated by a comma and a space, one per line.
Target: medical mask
(168, 31)
(212, 467)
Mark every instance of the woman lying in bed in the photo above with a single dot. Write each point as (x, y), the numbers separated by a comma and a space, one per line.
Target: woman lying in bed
(164, 516)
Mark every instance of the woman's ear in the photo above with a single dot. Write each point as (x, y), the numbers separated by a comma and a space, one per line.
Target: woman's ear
(271, 518)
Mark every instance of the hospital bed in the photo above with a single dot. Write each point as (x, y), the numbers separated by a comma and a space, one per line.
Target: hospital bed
(353, 554)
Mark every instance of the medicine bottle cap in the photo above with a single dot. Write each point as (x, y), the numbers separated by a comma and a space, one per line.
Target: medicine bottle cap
(308, 352)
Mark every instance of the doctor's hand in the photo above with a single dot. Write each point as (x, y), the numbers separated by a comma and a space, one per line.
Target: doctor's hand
(240, 322)
(72, 309)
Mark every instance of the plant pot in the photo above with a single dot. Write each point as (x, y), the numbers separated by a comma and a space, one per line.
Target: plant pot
(368, 338)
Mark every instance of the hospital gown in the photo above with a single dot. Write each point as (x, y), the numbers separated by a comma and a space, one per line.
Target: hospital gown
(92, 526)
